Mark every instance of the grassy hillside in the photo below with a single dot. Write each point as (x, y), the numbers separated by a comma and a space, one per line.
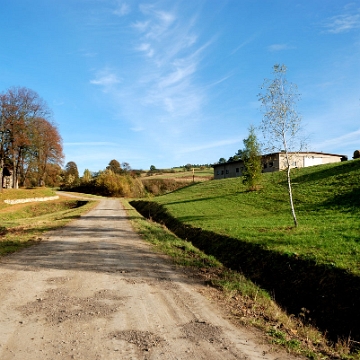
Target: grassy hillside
(22, 225)
(312, 271)
(327, 201)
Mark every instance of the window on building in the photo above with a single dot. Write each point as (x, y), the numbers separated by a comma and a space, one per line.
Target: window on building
(227, 171)
(237, 170)
(218, 172)
(222, 172)
(271, 164)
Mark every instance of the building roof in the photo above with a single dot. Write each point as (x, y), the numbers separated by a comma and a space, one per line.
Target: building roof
(304, 153)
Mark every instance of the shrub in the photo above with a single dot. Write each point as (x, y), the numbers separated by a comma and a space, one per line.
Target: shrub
(110, 184)
(107, 183)
(163, 186)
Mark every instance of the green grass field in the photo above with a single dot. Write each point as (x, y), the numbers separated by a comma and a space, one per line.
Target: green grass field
(327, 202)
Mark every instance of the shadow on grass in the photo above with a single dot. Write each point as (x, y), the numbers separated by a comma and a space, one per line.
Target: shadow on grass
(330, 297)
(344, 169)
(349, 201)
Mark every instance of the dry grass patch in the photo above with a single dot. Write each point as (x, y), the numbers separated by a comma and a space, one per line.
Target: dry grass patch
(22, 225)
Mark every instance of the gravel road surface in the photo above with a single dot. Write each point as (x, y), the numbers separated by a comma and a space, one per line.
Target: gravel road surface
(94, 290)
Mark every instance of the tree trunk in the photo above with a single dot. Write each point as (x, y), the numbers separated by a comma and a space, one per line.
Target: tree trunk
(1, 174)
(290, 196)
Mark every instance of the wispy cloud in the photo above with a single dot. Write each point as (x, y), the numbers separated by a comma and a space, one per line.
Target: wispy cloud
(158, 21)
(146, 48)
(280, 47)
(343, 22)
(122, 9)
(351, 138)
(244, 43)
(170, 43)
(161, 92)
(106, 78)
(91, 143)
(211, 145)
(137, 128)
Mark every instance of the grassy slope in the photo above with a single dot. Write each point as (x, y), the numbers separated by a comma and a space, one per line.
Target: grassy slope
(327, 200)
(11, 194)
(22, 224)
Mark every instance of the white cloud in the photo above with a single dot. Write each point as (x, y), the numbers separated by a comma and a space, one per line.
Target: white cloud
(158, 23)
(167, 79)
(137, 128)
(122, 9)
(106, 78)
(343, 23)
(92, 143)
(146, 48)
(209, 145)
(180, 73)
(351, 138)
(141, 25)
(280, 47)
(244, 43)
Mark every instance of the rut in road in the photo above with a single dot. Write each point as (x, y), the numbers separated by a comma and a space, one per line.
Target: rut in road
(95, 290)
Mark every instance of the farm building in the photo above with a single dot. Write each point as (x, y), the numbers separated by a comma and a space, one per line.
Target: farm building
(277, 162)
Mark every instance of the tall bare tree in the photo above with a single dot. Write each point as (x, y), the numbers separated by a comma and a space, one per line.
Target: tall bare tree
(281, 124)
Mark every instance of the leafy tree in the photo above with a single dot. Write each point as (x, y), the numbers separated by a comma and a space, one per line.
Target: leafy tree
(126, 167)
(152, 168)
(46, 146)
(86, 178)
(238, 156)
(252, 160)
(281, 124)
(222, 161)
(71, 174)
(53, 175)
(110, 184)
(114, 166)
(19, 106)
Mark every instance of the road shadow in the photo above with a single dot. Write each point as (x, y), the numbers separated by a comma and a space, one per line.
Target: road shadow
(97, 244)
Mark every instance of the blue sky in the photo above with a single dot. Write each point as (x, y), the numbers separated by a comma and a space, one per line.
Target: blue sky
(171, 82)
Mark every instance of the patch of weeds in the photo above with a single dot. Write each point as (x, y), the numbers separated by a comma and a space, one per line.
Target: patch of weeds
(11, 246)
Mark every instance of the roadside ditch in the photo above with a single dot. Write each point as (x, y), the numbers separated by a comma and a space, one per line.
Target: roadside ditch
(324, 296)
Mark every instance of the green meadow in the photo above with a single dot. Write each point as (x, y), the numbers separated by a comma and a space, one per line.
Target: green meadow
(327, 203)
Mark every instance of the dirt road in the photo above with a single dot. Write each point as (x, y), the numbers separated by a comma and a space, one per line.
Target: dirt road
(94, 290)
